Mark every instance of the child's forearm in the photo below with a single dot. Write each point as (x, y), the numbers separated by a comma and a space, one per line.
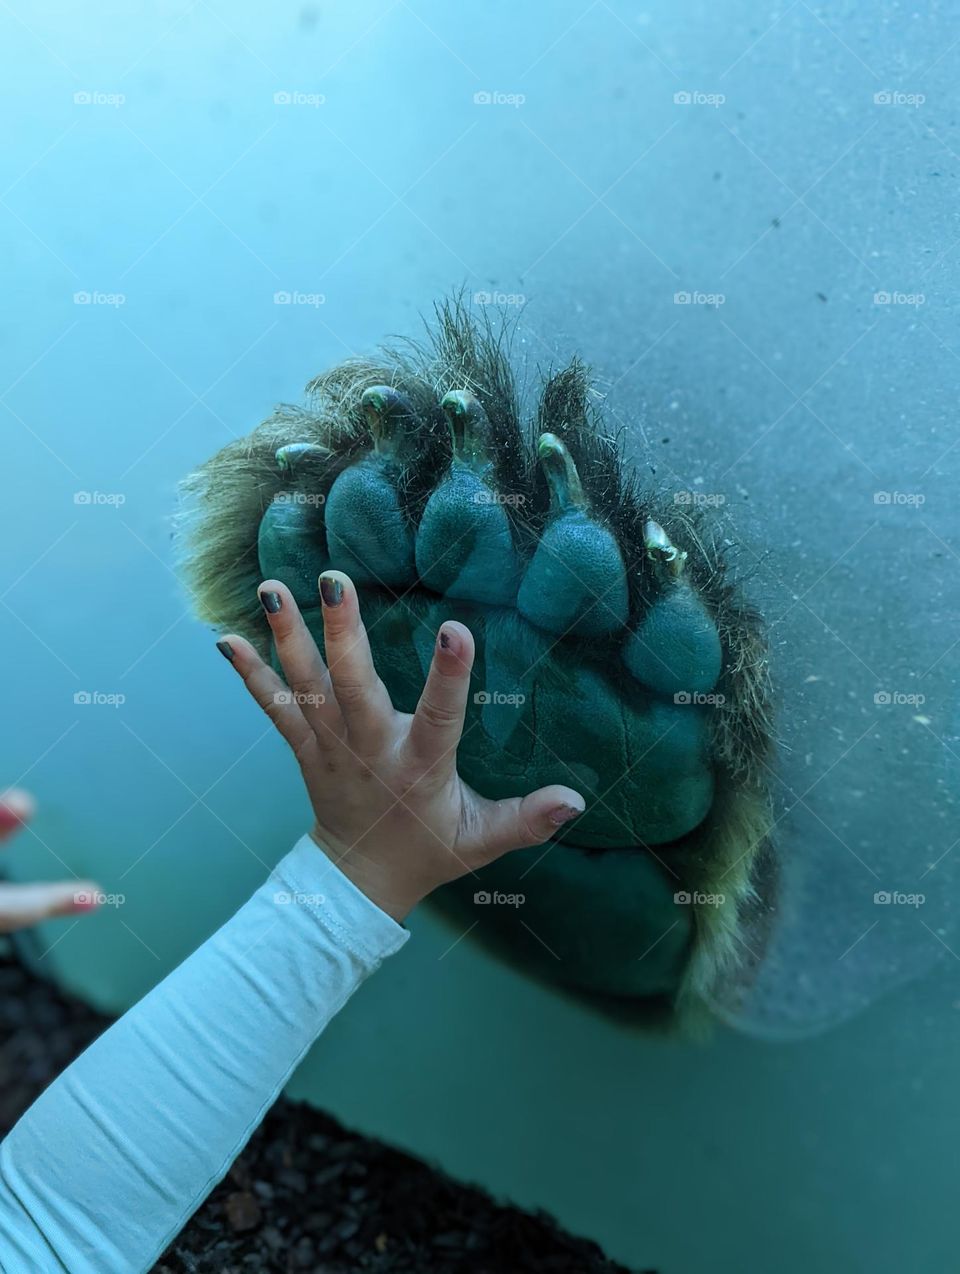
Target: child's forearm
(108, 1164)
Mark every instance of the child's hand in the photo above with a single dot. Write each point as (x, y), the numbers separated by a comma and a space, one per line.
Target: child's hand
(391, 810)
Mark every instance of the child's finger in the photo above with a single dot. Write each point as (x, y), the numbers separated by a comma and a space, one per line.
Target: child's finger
(24, 905)
(438, 720)
(362, 697)
(522, 821)
(267, 688)
(305, 672)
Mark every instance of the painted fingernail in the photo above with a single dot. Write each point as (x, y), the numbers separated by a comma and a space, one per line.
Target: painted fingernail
(331, 590)
(563, 814)
(225, 649)
(270, 602)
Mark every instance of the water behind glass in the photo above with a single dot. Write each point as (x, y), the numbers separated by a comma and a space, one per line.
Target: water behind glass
(745, 221)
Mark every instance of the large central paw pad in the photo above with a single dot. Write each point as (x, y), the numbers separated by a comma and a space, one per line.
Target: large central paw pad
(570, 687)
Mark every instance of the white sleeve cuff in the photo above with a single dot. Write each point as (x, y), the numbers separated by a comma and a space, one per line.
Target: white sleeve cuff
(307, 877)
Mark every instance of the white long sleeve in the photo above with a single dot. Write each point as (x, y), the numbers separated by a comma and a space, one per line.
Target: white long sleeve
(108, 1164)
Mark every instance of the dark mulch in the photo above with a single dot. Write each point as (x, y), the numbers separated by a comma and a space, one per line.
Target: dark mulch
(306, 1194)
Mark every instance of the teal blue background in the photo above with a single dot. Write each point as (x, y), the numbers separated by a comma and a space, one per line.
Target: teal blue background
(798, 400)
